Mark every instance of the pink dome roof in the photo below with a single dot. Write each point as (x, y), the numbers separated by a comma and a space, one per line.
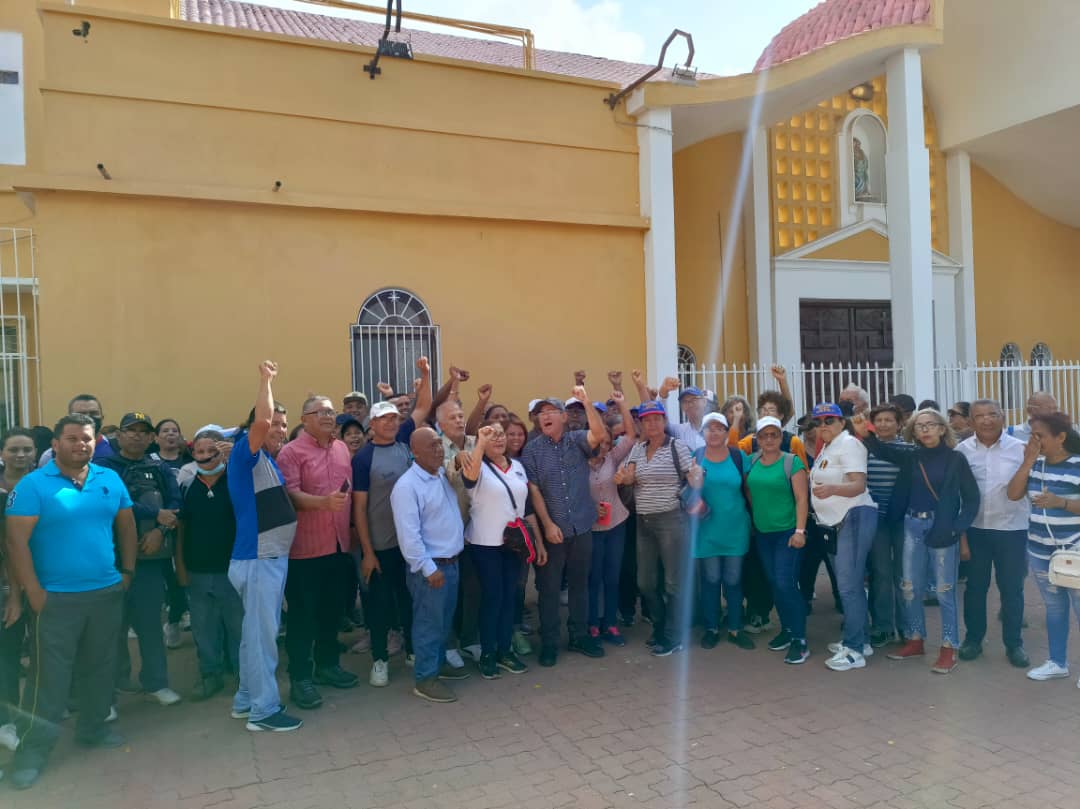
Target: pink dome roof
(834, 20)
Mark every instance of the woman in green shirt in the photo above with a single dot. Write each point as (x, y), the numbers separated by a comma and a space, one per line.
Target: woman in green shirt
(722, 536)
(776, 484)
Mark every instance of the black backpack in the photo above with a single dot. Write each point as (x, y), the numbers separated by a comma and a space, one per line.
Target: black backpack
(146, 485)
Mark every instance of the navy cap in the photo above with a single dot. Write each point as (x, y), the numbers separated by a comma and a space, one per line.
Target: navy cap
(827, 409)
(690, 391)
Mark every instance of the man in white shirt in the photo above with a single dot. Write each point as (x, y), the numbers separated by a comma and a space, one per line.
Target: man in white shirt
(998, 537)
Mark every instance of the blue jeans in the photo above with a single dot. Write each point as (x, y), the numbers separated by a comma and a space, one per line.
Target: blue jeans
(432, 618)
(498, 571)
(853, 544)
(1057, 601)
(920, 561)
(217, 617)
(607, 554)
(662, 538)
(782, 564)
(260, 584)
(142, 611)
(728, 571)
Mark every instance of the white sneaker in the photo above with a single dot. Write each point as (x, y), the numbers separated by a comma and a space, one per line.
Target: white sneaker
(380, 674)
(9, 738)
(131, 633)
(395, 641)
(173, 639)
(564, 597)
(1049, 671)
(846, 659)
(867, 649)
(185, 622)
(165, 696)
(410, 659)
(473, 651)
(113, 715)
(453, 657)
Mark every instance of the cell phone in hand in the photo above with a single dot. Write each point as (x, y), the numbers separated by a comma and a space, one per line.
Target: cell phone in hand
(344, 487)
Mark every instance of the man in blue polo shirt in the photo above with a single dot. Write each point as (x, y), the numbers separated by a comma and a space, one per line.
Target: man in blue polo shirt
(66, 525)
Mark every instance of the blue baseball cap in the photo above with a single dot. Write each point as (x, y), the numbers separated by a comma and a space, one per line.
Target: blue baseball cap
(600, 407)
(651, 409)
(827, 409)
(690, 391)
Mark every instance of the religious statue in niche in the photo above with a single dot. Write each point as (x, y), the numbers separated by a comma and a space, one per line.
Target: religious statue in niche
(861, 166)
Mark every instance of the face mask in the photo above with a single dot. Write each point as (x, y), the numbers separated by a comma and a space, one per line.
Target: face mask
(209, 472)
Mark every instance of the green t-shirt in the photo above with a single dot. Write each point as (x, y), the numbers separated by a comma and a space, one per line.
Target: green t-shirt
(771, 497)
(725, 531)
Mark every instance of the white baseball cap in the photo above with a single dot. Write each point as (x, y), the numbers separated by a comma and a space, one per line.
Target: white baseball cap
(711, 417)
(769, 421)
(380, 409)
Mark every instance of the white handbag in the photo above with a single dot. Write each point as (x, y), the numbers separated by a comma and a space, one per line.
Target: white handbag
(1064, 569)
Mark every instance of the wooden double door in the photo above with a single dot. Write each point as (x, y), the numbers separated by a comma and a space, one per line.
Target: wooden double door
(846, 332)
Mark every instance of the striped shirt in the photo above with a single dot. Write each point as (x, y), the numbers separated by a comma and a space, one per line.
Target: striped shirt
(657, 483)
(881, 479)
(1053, 528)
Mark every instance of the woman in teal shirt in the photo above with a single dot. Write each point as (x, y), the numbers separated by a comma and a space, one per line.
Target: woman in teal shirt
(776, 484)
(722, 535)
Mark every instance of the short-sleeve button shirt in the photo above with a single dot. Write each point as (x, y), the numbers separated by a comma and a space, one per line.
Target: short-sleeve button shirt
(561, 471)
(72, 542)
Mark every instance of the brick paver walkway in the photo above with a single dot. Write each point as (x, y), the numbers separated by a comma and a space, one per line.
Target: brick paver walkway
(723, 728)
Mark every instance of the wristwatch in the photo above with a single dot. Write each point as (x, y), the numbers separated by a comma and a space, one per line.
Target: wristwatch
(800, 530)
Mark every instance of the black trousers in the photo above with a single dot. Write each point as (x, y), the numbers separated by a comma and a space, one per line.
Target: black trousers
(315, 592)
(813, 555)
(11, 641)
(1006, 553)
(390, 603)
(574, 555)
(73, 642)
(756, 587)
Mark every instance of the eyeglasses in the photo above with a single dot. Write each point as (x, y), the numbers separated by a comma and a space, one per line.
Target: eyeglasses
(827, 420)
(926, 426)
(209, 458)
(328, 412)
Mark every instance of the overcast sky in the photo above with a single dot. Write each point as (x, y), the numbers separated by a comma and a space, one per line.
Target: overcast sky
(729, 35)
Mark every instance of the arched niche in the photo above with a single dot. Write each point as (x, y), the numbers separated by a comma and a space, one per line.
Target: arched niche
(861, 157)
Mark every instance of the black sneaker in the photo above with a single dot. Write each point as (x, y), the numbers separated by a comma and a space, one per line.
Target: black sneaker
(710, 639)
(653, 640)
(879, 639)
(107, 739)
(587, 646)
(740, 639)
(336, 677)
(1018, 657)
(448, 672)
(279, 722)
(626, 620)
(549, 655)
(757, 624)
(304, 694)
(488, 669)
(781, 641)
(207, 687)
(510, 663)
(797, 653)
(970, 650)
(665, 648)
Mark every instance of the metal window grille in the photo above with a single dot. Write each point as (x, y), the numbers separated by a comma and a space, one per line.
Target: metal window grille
(687, 359)
(20, 397)
(394, 329)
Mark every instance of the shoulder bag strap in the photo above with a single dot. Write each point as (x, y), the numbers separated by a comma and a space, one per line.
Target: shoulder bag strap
(506, 485)
(926, 480)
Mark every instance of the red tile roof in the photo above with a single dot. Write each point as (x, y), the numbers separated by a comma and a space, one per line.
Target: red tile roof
(834, 20)
(358, 32)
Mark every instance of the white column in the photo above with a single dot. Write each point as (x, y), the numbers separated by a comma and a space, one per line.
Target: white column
(757, 220)
(907, 169)
(961, 246)
(657, 200)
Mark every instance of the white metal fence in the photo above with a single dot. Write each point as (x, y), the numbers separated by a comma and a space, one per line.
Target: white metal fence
(809, 384)
(1011, 385)
(389, 354)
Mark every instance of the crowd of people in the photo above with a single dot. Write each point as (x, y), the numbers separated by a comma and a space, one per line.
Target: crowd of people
(417, 524)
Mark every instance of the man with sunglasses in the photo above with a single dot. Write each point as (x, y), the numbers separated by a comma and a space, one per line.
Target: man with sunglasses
(317, 468)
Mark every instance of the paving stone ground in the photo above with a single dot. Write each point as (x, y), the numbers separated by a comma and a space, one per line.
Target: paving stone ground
(721, 728)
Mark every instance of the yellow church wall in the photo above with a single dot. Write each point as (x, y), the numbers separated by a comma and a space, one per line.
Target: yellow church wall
(507, 201)
(863, 246)
(705, 175)
(1026, 285)
(169, 305)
